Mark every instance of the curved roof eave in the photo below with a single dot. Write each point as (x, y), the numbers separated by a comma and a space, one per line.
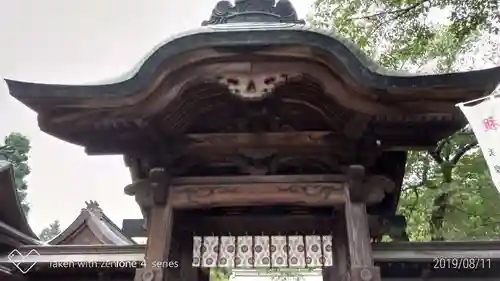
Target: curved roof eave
(360, 67)
(108, 236)
(82, 217)
(19, 237)
(11, 205)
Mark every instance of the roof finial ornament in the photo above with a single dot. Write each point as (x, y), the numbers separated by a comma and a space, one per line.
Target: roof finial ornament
(253, 11)
(93, 207)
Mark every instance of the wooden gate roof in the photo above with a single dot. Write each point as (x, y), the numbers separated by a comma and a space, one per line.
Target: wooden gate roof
(178, 83)
(92, 227)
(14, 227)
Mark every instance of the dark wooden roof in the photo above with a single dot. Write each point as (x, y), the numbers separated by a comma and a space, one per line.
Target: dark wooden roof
(92, 227)
(14, 227)
(329, 83)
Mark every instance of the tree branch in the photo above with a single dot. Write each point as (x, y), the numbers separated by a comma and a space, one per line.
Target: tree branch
(472, 214)
(462, 151)
(400, 11)
(436, 153)
(490, 223)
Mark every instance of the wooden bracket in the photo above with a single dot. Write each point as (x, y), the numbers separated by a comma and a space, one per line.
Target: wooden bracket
(152, 196)
(160, 181)
(355, 179)
(150, 191)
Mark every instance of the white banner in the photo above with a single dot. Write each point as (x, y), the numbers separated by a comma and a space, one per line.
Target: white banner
(484, 119)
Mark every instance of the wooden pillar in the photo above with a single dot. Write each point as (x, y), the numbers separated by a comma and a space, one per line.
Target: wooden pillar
(358, 235)
(160, 225)
(158, 244)
(340, 268)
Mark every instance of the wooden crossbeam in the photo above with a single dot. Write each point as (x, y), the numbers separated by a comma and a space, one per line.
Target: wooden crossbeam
(241, 225)
(302, 224)
(252, 194)
(315, 191)
(257, 225)
(301, 140)
(230, 143)
(210, 192)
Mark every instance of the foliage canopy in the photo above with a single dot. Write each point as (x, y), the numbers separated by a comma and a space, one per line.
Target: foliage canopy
(50, 231)
(16, 149)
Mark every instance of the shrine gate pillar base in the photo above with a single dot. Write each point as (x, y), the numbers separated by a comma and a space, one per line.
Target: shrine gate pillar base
(158, 245)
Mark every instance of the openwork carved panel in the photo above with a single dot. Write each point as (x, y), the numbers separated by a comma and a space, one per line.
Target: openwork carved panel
(262, 251)
(251, 86)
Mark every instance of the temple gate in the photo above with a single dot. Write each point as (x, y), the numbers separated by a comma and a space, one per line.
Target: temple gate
(268, 239)
(258, 141)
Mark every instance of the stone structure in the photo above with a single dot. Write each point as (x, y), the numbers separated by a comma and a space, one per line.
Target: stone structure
(258, 125)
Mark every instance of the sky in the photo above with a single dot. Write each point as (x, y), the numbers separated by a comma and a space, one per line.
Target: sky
(76, 42)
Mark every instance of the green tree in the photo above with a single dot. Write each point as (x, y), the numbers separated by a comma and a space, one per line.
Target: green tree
(16, 148)
(220, 274)
(447, 193)
(50, 231)
(400, 32)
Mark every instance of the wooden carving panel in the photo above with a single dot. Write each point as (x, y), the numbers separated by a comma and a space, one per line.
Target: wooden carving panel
(256, 194)
(307, 190)
(263, 251)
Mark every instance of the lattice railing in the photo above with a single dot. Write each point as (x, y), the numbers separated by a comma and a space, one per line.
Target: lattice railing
(262, 251)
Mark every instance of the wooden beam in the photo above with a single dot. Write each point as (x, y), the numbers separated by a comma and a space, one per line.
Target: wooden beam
(191, 196)
(256, 225)
(306, 190)
(356, 126)
(271, 224)
(331, 178)
(229, 143)
(300, 140)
